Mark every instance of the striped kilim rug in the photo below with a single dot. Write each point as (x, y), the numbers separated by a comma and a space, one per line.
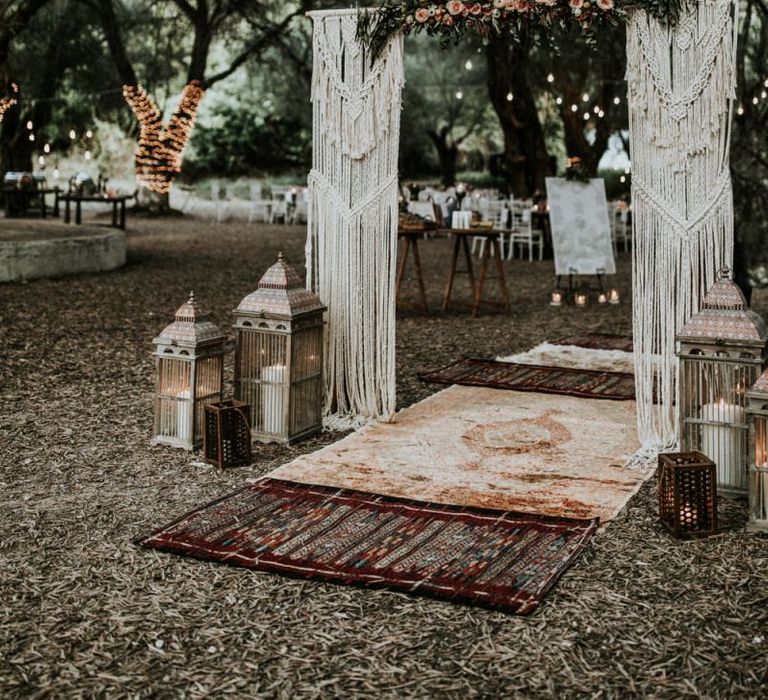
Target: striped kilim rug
(594, 384)
(499, 559)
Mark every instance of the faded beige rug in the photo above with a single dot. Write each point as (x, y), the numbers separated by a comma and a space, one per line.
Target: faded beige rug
(473, 446)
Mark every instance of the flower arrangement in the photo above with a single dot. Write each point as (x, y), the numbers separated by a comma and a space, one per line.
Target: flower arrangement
(575, 171)
(451, 19)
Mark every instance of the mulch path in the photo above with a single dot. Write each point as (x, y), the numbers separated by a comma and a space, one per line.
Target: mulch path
(85, 612)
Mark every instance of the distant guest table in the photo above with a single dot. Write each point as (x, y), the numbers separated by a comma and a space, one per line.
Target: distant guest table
(461, 238)
(411, 238)
(117, 202)
(18, 202)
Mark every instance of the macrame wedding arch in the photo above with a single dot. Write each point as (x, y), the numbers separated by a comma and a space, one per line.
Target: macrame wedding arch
(681, 82)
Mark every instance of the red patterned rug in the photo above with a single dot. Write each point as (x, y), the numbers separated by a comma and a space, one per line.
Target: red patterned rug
(589, 383)
(597, 341)
(503, 560)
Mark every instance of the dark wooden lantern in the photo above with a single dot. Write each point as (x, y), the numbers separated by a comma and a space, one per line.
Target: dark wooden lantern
(227, 436)
(687, 494)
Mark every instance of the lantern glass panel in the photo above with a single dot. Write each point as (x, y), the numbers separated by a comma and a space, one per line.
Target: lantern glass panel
(263, 379)
(713, 403)
(307, 380)
(173, 418)
(759, 488)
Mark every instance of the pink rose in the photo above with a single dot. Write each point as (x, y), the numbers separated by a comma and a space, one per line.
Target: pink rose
(476, 9)
(422, 15)
(522, 5)
(605, 4)
(455, 6)
(576, 4)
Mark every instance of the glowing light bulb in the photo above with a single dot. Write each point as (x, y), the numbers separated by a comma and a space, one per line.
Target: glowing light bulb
(601, 114)
(41, 160)
(72, 134)
(510, 96)
(574, 108)
(89, 134)
(585, 97)
(468, 64)
(740, 110)
(47, 148)
(586, 116)
(31, 137)
(87, 155)
(550, 78)
(29, 125)
(622, 179)
(627, 170)
(616, 100)
(764, 94)
(459, 94)
(755, 100)
(559, 100)
(596, 110)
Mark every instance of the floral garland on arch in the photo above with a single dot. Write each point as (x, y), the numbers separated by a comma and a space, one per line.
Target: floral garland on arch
(452, 19)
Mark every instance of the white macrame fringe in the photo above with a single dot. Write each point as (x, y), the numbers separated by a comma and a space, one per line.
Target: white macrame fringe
(351, 246)
(681, 83)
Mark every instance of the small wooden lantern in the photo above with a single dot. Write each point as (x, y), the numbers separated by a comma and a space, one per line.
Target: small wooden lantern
(722, 351)
(687, 494)
(190, 372)
(757, 416)
(227, 434)
(279, 356)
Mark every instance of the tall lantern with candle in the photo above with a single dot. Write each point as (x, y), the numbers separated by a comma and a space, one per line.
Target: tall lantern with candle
(722, 351)
(757, 416)
(190, 373)
(279, 356)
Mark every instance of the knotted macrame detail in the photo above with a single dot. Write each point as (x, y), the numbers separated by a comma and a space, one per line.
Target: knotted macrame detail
(681, 83)
(353, 215)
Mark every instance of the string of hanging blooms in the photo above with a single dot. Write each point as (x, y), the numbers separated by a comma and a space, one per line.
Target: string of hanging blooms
(7, 102)
(451, 19)
(160, 148)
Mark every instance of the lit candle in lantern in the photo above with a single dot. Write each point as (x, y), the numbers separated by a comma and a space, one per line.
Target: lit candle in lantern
(689, 515)
(720, 438)
(557, 298)
(273, 410)
(580, 300)
(601, 298)
(613, 296)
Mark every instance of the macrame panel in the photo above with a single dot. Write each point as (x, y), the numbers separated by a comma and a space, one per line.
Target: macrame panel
(353, 215)
(681, 83)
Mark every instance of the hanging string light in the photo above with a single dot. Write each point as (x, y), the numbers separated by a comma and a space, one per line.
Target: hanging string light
(459, 94)
(72, 134)
(47, 148)
(550, 78)
(510, 96)
(89, 134)
(30, 125)
(468, 64)
(5, 104)
(159, 151)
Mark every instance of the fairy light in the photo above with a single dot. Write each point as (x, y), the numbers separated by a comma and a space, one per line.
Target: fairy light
(740, 110)
(72, 134)
(755, 100)
(87, 155)
(89, 134)
(459, 94)
(510, 96)
(586, 116)
(41, 161)
(763, 94)
(30, 126)
(622, 179)
(585, 97)
(47, 148)
(468, 64)
(559, 100)
(550, 78)
(160, 149)
(574, 108)
(31, 137)
(596, 110)
(616, 100)
(601, 114)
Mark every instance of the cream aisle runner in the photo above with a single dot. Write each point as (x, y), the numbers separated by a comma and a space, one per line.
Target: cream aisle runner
(489, 448)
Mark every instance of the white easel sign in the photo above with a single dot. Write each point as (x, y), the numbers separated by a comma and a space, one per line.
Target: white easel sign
(581, 231)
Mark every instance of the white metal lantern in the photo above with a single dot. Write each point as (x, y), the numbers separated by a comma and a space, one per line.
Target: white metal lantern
(757, 416)
(279, 356)
(722, 352)
(190, 373)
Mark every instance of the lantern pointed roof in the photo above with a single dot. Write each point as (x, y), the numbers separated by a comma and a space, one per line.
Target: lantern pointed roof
(761, 385)
(280, 293)
(724, 315)
(191, 326)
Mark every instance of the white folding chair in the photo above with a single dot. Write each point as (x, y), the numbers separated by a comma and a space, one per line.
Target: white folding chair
(523, 235)
(260, 208)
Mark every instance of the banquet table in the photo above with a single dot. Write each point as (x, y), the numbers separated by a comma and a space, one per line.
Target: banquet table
(461, 238)
(117, 202)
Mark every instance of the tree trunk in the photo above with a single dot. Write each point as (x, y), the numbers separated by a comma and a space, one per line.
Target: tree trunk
(526, 160)
(149, 200)
(447, 154)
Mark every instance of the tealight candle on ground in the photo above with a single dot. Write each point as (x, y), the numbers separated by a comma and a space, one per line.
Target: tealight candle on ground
(557, 299)
(601, 298)
(580, 300)
(613, 296)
